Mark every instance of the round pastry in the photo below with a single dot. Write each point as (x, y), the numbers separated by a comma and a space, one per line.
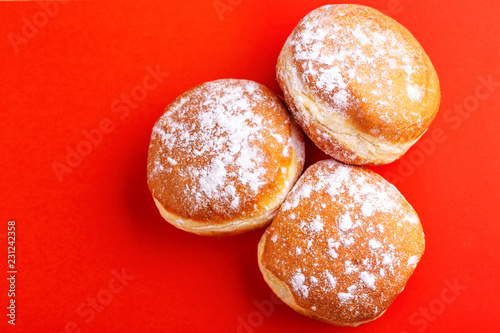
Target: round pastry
(223, 157)
(342, 245)
(358, 83)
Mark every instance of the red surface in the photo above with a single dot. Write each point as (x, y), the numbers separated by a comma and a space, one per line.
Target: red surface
(67, 76)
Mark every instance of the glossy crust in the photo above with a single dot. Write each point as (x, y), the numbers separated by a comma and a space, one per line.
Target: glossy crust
(223, 157)
(342, 246)
(358, 83)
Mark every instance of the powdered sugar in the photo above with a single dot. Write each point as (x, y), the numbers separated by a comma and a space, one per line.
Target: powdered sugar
(331, 279)
(413, 91)
(298, 284)
(388, 259)
(345, 222)
(411, 218)
(171, 161)
(344, 297)
(304, 192)
(360, 36)
(317, 224)
(351, 250)
(412, 261)
(213, 177)
(373, 244)
(332, 247)
(367, 209)
(331, 56)
(214, 133)
(368, 279)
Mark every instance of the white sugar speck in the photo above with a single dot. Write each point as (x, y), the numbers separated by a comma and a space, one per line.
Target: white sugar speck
(374, 244)
(214, 176)
(332, 246)
(360, 36)
(349, 267)
(278, 137)
(298, 284)
(367, 209)
(348, 241)
(344, 297)
(171, 161)
(331, 279)
(413, 219)
(345, 222)
(368, 279)
(286, 152)
(412, 261)
(413, 91)
(317, 224)
(388, 259)
(333, 253)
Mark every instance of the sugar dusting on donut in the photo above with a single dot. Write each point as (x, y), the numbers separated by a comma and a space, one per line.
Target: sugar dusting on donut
(336, 60)
(212, 142)
(335, 242)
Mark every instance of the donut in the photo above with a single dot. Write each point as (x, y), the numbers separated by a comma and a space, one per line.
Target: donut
(342, 246)
(222, 158)
(358, 83)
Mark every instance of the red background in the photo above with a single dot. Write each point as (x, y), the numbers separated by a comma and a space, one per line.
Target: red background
(66, 76)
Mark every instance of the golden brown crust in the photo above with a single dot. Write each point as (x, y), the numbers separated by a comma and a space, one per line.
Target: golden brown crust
(342, 246)
(282, 290)
(223, 157)
(358, 83)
